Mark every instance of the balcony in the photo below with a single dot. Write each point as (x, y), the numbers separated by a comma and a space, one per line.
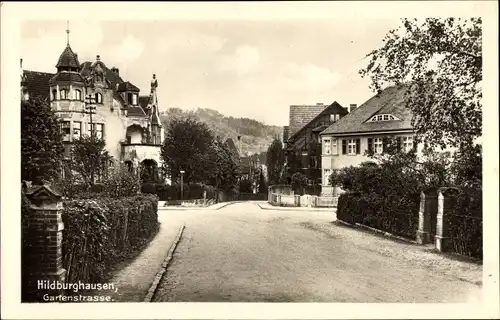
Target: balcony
(141, 152)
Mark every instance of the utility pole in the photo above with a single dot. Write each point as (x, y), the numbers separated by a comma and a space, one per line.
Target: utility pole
(90, 110)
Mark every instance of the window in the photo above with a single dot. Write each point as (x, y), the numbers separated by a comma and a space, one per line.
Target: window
(99, 127)
(334, 146)
(407, 144)
(326, 177)
(351, 146)
(377, 145)
(77, 130)
(332, 117)
(383, 117)
(78, 95)
(64, 94)
(327, 146)
(54, 94)
(65, 130)
(98, 98)
(134, 99)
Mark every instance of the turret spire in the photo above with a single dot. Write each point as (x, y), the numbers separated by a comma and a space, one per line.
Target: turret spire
(67, 32)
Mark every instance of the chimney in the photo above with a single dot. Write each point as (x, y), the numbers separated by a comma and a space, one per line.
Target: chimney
(116, 71)
(21, 63)
(352, 107)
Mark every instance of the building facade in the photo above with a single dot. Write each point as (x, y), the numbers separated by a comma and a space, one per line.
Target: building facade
(90, 98)
(303, 149)
(369, 127)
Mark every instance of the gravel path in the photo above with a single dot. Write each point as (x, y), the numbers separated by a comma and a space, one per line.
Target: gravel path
(245, 254)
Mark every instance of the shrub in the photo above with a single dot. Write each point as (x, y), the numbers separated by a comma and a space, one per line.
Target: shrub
(122, 183)
(246, 186)
(148, 187)
(97, 188)
(102, 232)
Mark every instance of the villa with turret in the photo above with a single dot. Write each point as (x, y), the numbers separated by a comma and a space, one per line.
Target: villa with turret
(90, 98)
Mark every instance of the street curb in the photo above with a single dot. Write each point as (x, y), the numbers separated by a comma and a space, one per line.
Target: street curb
(197, 208)
(292, 209)
(377, 231)
(164, 266)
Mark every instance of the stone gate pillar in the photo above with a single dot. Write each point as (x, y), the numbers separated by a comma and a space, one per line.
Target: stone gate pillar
(423, 235)
(442, 238)
(42, 256)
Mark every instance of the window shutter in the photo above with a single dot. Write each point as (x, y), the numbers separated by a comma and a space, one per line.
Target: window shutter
(370, 144)
(344, 146)
(358, 146)
(399, 143)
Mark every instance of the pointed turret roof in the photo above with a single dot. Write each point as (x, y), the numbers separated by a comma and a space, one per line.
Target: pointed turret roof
(68, 59)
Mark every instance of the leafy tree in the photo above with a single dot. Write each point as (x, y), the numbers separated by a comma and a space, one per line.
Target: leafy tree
(89, 158)
(41, 143)
(299, 181)
(245, 186)
(440, 61)
(262, 183)
(187, 146)
(225, 170)
(275, 161)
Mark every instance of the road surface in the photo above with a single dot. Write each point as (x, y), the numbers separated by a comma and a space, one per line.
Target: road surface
(242, 253)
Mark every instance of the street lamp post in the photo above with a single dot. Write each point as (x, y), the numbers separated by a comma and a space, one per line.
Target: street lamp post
(182, 184)
(90, 110)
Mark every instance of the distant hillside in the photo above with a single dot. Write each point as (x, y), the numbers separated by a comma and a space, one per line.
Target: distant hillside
(256, 136)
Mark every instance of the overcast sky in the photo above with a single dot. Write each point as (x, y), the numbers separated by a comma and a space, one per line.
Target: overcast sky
(250, 68)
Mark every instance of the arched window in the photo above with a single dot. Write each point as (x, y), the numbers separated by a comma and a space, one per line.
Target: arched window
(78, 95)
(98, 98)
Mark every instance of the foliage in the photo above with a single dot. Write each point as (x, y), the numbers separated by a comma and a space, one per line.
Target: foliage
(441, 62)
(262, 183)
(89, 158)
(255, 136)
(122, 182)
(100, 233)
(148, 187)
(41, 142)
(187, 147)
(224, 171)
(245, 186)
(191, 191)
(467, 168)
(299, 182)
(275, 161)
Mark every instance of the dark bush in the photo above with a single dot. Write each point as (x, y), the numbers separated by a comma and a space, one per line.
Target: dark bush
(97, 188)
(148, 187)
(245, 186)
(465, 223)
(102, 232)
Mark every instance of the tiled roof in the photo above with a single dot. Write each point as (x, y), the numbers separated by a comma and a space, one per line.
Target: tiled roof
(37, 84)
(127, 86)
(67, 76)
(390, 100)
(68, 59)
(300, 115)
(143, 101)
(135, 111)
(119, 98)
(334, 108)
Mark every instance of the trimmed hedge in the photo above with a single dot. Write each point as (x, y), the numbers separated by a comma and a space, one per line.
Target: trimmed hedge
(391, 213)
(100, 233)
(191, 191)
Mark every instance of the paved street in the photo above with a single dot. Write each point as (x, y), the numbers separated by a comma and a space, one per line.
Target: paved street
(242, 253)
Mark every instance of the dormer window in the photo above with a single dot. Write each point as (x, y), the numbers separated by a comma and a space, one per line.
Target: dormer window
(132, 98)
(64, 94)
(98, 98)
(383, 117)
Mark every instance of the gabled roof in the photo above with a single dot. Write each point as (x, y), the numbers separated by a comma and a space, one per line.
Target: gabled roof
(391, 100)
(68, 59)
(127, 86)
(300, 115)
(335, 106)
(37, 84)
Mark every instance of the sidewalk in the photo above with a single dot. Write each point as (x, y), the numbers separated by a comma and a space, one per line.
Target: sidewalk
(216, 206)
(266, 206)
(133, 282)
